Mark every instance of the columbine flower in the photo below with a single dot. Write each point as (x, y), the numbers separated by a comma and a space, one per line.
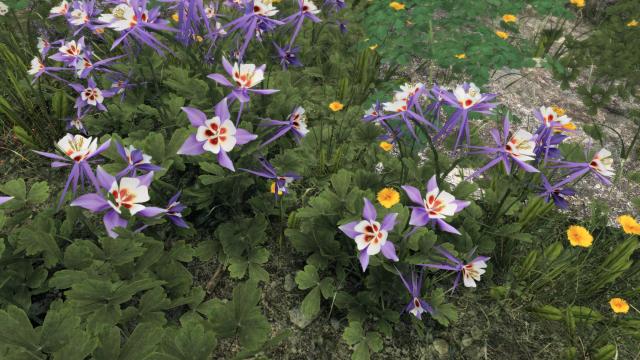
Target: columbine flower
(129, 193)
(296, 124)
(518, 149)
(502, 35)
(245, 78)
(416, 306)
(133, 19)
(4, 9)
(43, 46)
(136, 160)
(552, 120)
(370, 235)
(60, 10)
(307, 10)
(288, 56)
(396, 5)
(38, 68)
(435, 207)
(388, 197)
(509, 18)
(81, 14)
(629, 224)
(256, 19)
(336, 106)
(70, 52)
(465, 98)
(601, 166)
(173, 211)
(79, 150)
(619, 306)
(217, 135)
(281, 182)
(90, 95)
(405, 106)
(469, 272)
(555, 193)
(579, 236)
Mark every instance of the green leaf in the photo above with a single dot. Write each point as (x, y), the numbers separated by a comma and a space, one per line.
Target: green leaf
(16, 188)
(142, 342)
(341, 182)
(16, 329)
(38, 193)
(311, 304)
(308, 278)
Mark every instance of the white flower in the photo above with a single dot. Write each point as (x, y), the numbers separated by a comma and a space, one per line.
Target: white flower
(210, 11)
(299, 120)
(467, 98)
(549, 115)
(439, 204)
(603, 163)
(521, 145)
(78, 17)
(71, 49)
(36, 66)
(121, 18)
(82, 65)
(61, 9)
(92, 96)
(77, 147)
(217, 135)
(129, 194)
(42, 44)
(247, 75)
(4, 9)
(220, 30)
(371, 236)
(372, 111)
(396, 106)
(260, 8)
(310, 7)
(417, 308)
(407, 91)
(472, 271)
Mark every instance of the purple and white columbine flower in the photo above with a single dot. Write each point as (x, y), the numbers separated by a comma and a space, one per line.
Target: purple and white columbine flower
(90, 95)
(307, 10)
(416, 306)
(217, 135)
(435, 207)
(555, 193)
(70, 52)
(549, 133)
(38, 68)
(465, 98)
(128, 193)
(406, 105)
(518, 149)
(601, 166)
(81, 13)
(59, 10)
(288, 56)
(469, 272)
(256, 19)
(245, 77)
(296, 124)
(174, 211)
(136, 161)
(269, 172)
(370, 235)
(79, 150)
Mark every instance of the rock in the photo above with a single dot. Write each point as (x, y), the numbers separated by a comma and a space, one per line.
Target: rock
(289, 283)
(441, 347)
(298, 319)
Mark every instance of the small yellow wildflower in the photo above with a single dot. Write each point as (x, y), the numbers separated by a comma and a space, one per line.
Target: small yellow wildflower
(198, 38)
(558, 110)
(502, 35)
(175, 17)
(336, 106)
(629, 225)
(509, 18)
(569, 126)
(386, 146)
(577, 3)
(373, 47)
(579, 236)
(633, 23)
(619, 305)
(461, 56)
(388, 197)
(396, 5)
(273, 189)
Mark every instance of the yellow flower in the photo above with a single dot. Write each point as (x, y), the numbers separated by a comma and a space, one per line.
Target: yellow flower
(509, 18)
(619, 305)
(461, 56)
(569, 126)
(373, 47)
(633, 23)
(388, 197)
(396, 5)
(558, 110)
(175, 17)
(577, 3)
(629, 225)
(273, 189)
(386, 146)
(198, 38)
(579, 236)
(99, 31)
(336, 106)
(502, 35)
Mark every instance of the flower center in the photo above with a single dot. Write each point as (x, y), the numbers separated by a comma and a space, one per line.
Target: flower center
(372, 233)
(216, 134)
(433, 205)
(123, 197)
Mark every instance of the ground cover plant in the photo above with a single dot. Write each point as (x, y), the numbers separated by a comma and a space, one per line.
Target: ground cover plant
(159, 140)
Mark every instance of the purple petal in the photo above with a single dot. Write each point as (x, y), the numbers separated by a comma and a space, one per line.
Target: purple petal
(369, 211)
(227, 66)
(220, 79)
(389, 251)
(112, 220)
(100, 149)
(432, 184)
(146, 179)
(243, 136)
(151, 211)
(364, 259)
(446, 227)
(348, 229)
(92, 202)
(222, 110)
(413, 194)
(105, 180)
(191, 146)
(419, 217)
(224, 161)
(195, 116)
(50, 155)
(389, 221)
(4, 199)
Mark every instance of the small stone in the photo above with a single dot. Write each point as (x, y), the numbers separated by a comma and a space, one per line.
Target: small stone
(298, 319)
(442, 348)
(467, 341)
(289, 283)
